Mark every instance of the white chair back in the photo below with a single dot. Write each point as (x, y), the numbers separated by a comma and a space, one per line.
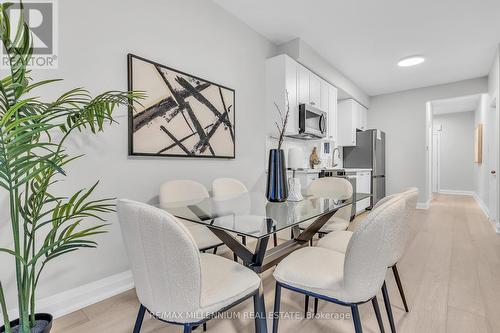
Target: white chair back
(224, 187)
(333, 187)
(370, 248)
(163, 256)
(182, 190)
(403, 228)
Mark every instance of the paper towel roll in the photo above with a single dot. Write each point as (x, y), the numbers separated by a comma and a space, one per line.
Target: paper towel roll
(295, 158)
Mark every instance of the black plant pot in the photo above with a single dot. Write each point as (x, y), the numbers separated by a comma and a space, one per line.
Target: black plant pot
(277, 187)
(43, 320)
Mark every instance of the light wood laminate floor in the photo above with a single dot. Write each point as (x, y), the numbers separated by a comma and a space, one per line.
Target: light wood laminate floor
(451, 275)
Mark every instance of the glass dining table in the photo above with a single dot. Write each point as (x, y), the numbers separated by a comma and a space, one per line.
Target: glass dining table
(251, 215)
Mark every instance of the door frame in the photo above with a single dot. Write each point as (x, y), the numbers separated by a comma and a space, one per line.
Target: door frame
(436, 162)
(494, 162)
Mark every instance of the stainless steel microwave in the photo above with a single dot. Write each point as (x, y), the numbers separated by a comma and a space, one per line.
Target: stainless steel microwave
(312, 122)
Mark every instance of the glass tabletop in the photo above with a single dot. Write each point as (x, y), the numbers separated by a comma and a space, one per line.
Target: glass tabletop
(250, 214)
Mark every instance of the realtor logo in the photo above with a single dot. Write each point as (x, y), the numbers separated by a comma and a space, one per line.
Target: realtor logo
(41, 18)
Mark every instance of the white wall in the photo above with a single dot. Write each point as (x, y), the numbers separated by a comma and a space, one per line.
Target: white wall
(402, 116)
(197, 37)
(456, 150)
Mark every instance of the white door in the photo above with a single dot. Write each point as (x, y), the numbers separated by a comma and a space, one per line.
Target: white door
(493, 160)
(436, 149)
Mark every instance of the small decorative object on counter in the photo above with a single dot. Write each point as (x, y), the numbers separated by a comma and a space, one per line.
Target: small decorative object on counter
(295, 161)
(314, 160)
(277, 189)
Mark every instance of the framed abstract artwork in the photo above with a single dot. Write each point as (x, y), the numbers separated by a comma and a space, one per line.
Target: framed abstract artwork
(182, 115)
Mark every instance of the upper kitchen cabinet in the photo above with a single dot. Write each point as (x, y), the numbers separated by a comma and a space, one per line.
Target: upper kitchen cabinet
(332, 113)
(284, 74)
(352, 116)
(303, 84)
(282, 77)
(325, 92)
(312, 89)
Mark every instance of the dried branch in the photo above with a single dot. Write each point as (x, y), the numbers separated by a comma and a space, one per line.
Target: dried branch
(283, 120)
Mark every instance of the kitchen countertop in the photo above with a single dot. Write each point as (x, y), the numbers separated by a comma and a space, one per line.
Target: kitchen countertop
(313, 171)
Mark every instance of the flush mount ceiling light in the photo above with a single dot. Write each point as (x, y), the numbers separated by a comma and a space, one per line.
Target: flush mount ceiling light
(411, 61)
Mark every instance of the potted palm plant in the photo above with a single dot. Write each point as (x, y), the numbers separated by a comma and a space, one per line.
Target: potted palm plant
(45, 226)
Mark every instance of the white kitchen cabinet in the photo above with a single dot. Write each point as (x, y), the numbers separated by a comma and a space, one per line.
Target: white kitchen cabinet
(325, 93)
(332, 113)
(282, 77)
(346, 124)
(362, 117)
(284, 74)
(363, 185)
(314, 90)
(351, 117)
(303, 85)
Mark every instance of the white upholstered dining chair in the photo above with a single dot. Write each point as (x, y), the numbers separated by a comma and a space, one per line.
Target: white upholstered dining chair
(228, 187)
(174, 282)
(190, 191)
(337, 188)
(348, 279)
(339, 240)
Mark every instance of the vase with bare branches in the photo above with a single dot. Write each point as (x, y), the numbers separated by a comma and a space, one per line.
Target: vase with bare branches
(277, 189)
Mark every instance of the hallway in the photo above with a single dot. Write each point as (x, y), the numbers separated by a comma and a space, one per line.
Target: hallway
(450, 273)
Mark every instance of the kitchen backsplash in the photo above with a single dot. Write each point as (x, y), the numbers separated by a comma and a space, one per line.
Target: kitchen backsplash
(307, 147)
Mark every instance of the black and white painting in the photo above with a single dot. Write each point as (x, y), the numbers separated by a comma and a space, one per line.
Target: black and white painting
(182, 115)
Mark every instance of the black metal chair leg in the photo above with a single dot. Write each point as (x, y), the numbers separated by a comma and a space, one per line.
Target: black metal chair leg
(306, 307)
(387, 304)
(244, 240)
(215, 250)
(235, 257)
(204, 327)
(277, 301)
(260, 311)
(356, 319)
(275, 239)
(140, 318)
(400, 286)
(316, 301)
(377, 314)
(187, 328)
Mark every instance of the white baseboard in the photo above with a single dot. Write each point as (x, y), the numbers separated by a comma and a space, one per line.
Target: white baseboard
(423, 205)
(455, 192)
(481, 204)
(75, 299)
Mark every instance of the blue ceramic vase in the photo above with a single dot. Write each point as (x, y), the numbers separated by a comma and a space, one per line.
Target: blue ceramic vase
(277, 187)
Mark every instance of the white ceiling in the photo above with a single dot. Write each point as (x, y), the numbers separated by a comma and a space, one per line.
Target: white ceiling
(458, 104)
(364, 39)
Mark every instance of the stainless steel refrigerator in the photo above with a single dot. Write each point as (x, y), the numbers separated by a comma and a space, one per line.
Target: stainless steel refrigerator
(369, 153)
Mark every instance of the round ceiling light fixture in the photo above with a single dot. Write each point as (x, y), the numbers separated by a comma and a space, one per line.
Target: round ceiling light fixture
(411, 61)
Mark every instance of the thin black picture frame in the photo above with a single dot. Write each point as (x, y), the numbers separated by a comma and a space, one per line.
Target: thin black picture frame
(130, 87)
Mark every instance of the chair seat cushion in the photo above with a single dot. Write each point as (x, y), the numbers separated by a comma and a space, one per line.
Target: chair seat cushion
(337, 241)
(203, 237)
(334, 224)
(313, 269)
(224, 282)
